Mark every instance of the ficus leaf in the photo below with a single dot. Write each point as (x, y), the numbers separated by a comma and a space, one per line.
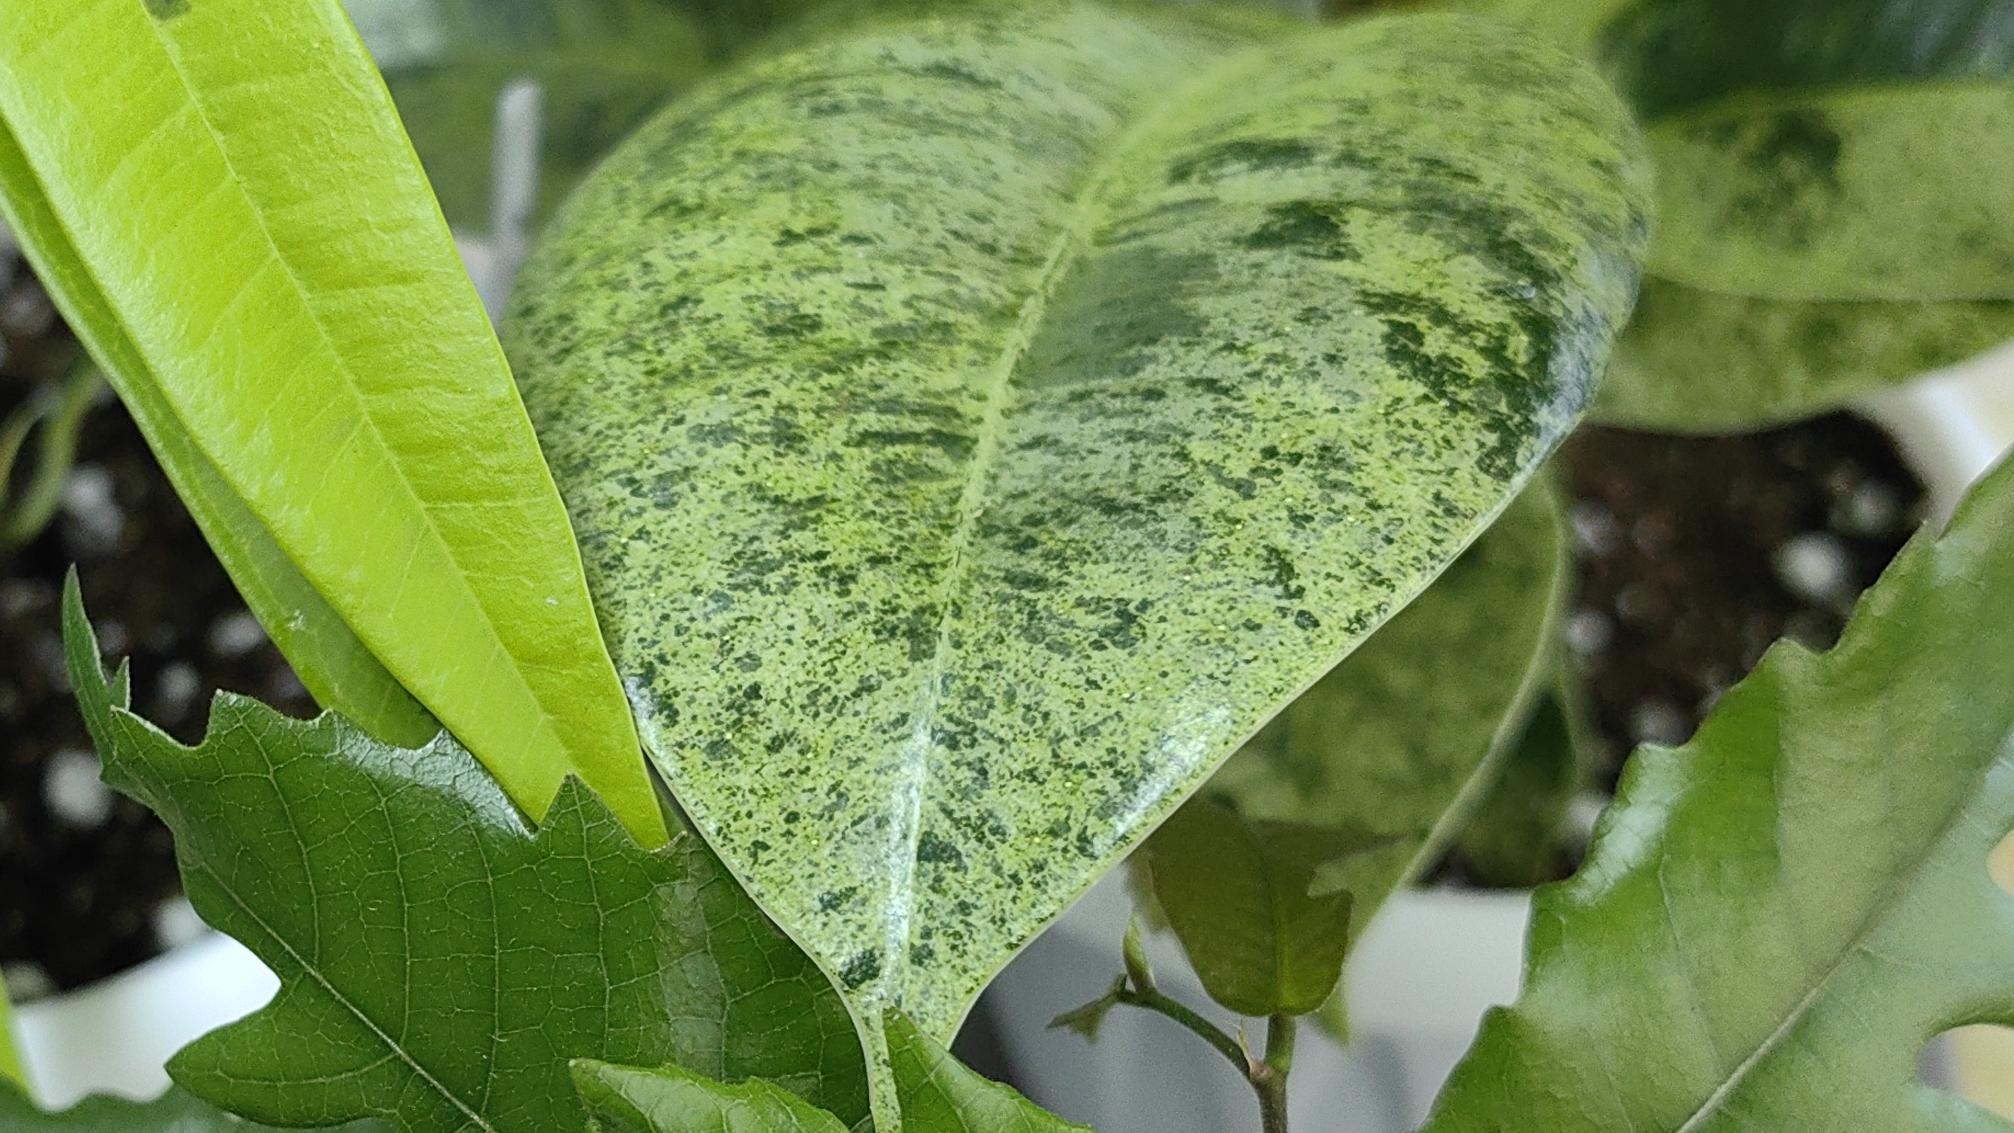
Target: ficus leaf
(1797, 900)
(1695, 361)
(938, 1094)
(1404, 737)
(439, 961)
(252, 225)
(1850, 150)
(977, 425)
(1242, 897)
(176, 1111)
(337, 667)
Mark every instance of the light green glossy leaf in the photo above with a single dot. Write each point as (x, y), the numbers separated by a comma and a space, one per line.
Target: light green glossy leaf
(1242, 896)
(1695, 361)
(337, 667)
(1512, 841)
(1776, 917)
(1850, 150)
(977, 426)
(1405, 737)
(439, 961)
(938, 1095)
(252, 223)
(627, 1099)
(174, 1112)
(602, 69)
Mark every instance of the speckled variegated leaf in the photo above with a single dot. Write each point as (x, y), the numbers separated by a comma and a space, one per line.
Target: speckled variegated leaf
(1696, 361)
(1845, 150)
(977, 427)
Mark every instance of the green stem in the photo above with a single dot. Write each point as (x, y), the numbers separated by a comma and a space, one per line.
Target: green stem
(1269, 1078)
(1209, 1032)
(61, 423)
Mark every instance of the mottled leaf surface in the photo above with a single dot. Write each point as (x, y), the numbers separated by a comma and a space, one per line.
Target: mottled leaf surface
(334, 664)
(976, 426)
(1849, 150)
(233, 187)
(1242, 896)
(1401, 739)
(176, 1111)
(1776, 917)
(1695, 361)
(439, 961)
(938, 1094)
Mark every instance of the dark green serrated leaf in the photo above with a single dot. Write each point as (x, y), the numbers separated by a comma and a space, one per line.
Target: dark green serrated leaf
(1694, 361)
(1405, 736)
(439, 961)
(626, 1099)
(938, 1094)
(1848, 150)
(1040, 396)
(1512, 842)
(1242, 896)
(176, 1111)
(1776, 917)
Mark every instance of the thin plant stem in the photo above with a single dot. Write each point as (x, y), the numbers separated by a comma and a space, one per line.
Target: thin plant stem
(1268, 1076)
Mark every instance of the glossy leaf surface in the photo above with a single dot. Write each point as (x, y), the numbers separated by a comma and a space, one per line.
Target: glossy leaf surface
(1776, 917)
(1402, 739)
(1694, 361)
(439, 961)
(1243, 897)
(1850, 150)
(977, 426)
(177, 1111)
(254, 223)
(337, 667)
(938, 1095)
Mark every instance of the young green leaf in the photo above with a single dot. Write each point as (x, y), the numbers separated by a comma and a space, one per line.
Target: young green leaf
(176, 1111)
(439, 961)
(978, 425)
(1406, 735)
(938, 1095)
(337, 667)
(1776, 917)
(1696, 361)
(10, 1061)
(670, 1099)
(1242, 896)
(1849, 150)
(252, 224)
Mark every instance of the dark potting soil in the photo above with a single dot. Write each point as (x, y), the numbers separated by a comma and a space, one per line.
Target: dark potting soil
(1695, 553)
(87, 877)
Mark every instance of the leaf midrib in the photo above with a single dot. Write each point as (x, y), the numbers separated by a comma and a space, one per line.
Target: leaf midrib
(1067, 249)
(1877, 919)
(171, 52)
